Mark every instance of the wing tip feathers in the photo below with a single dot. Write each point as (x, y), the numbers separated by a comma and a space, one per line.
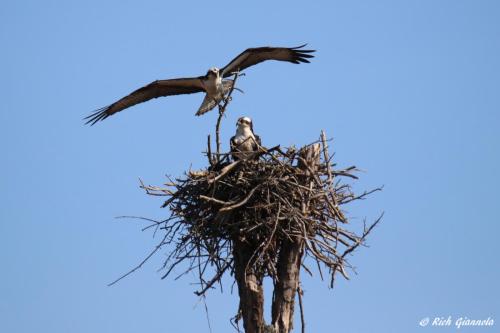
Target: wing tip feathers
(300, 55)
(97, 115)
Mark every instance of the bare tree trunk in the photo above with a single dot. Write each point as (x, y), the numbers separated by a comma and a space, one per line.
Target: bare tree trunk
(290, 255)
(288, 269)
(249, 288)
(286, 286)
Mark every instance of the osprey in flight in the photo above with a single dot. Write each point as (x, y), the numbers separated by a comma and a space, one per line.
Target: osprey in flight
(213, 83)
(244, 143)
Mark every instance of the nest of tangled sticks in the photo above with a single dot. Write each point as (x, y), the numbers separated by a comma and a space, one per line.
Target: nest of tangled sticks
(275, 196)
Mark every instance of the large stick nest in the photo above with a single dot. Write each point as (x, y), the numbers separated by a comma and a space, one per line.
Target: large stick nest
(277, 195)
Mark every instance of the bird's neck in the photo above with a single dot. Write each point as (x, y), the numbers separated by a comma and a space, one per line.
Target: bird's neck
(244, 131)
(218, 79)
(214, 77)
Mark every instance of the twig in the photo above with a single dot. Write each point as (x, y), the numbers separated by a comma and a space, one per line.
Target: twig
(222, 109)
(215, 278)
(214, 200)
(301, 306)
(142, 262)
(326, 156)
(209, 151)
(206, 312)
(242, 202)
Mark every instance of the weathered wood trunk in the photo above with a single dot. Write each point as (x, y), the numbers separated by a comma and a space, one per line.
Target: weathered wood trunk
(290, 256)
(249, 288)
(285, 287)
(288, 269)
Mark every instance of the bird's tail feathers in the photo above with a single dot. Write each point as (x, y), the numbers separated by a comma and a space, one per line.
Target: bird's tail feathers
(227, 85)
(209, 103)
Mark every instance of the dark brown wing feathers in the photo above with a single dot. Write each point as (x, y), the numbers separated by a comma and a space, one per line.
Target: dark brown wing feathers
(161, 88)
(155, 89)
(257, 55)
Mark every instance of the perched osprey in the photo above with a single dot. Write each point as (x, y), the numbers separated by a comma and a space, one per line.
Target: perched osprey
(212, 83)
(244, 142)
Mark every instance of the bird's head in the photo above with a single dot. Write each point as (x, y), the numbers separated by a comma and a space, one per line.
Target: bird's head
(245, 122)
(213, 71)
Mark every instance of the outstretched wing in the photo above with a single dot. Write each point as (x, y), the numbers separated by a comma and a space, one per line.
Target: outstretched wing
(155, 89)
(256, 55)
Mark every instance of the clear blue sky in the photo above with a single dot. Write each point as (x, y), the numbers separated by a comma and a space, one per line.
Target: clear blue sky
(408, 89)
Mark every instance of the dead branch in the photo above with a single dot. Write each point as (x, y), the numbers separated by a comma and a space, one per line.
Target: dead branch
(222, 110)
(300, 293)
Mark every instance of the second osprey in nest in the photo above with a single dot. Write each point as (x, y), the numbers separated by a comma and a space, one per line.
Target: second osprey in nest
(245, 142)
(212, 83)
